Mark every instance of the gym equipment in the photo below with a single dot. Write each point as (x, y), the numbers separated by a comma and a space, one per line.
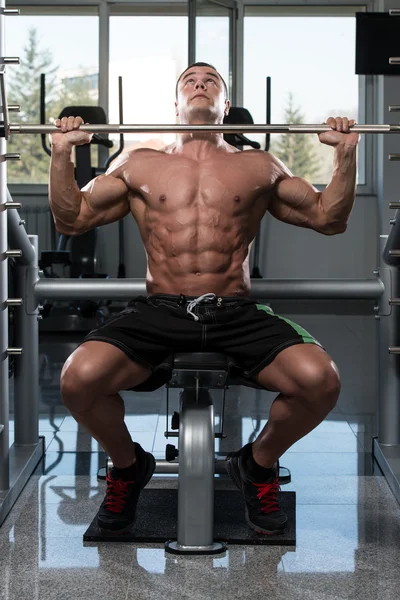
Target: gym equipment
(33, 289)
(239, 115)
(157, 521)
(78, 253)
(271, 289)
(30, 289)
(197, 373)
(303, 128)
(255, 271)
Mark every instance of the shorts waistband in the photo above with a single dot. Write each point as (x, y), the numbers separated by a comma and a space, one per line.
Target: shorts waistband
(183, 300)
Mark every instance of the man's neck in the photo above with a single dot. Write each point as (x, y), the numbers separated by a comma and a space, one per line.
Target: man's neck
(199, 139)
(195, 140)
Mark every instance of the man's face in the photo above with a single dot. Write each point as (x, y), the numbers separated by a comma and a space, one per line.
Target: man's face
(201, 96)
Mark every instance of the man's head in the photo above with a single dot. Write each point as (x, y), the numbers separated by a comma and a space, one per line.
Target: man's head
(201, 95)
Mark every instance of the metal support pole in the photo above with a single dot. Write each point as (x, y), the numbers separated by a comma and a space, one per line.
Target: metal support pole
(4, 389)
(196, 468)
(389, 363)
(269, 289)
(17, 462)
(170, 468)
(104, 61)
(191, 31)
(26, 403)
(17, 236)
(196, 476)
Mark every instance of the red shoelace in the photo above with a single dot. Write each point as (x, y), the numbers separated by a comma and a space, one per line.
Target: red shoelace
(117, 492)
(268, 496)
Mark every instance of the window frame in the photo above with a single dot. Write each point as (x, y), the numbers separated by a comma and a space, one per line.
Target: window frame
(368, 85)
(47, 8)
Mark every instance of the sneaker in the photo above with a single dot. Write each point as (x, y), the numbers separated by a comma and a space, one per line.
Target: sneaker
(117, 512)
(263, 513)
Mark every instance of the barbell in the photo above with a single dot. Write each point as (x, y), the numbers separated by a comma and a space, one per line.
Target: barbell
(47, 129)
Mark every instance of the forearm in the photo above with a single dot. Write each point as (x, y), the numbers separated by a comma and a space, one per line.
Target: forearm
(337, 200)
(64, 194)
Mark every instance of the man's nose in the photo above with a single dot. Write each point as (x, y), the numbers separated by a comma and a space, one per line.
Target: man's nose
(200, 83)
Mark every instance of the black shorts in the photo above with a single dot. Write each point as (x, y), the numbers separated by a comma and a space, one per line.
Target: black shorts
(151, 329)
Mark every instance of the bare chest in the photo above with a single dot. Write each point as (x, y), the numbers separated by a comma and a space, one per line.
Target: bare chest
(232, 183)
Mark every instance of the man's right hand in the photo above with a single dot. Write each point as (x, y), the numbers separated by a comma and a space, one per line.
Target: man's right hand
(70, 134)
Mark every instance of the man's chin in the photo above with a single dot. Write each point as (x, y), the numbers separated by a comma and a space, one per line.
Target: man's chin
(201, 116)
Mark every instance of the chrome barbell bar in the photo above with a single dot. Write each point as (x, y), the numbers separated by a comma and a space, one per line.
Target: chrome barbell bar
(46, 129)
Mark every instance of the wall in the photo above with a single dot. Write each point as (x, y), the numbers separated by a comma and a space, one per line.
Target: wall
(286, 251)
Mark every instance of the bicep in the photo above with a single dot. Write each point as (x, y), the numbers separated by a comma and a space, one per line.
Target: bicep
(293, 200)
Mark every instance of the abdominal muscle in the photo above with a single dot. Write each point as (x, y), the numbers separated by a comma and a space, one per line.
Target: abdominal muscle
(197, 260)
(164, 278)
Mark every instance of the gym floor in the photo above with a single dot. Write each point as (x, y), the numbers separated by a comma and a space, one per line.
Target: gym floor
(348, 521)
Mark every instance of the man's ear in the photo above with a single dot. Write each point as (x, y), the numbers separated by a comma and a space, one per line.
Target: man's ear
(227, 107)
(176, 109)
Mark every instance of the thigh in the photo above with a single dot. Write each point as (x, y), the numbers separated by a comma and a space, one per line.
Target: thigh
(149, 333)
(144, 333)
(299, 369)
(102, 367)
(255, 336)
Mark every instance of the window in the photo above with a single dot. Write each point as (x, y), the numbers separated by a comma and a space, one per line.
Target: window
(212, 37)
(307, 85)
(41, 37)
(149, 52)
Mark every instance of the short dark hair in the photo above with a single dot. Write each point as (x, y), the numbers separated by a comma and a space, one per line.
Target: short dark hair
(201, 64)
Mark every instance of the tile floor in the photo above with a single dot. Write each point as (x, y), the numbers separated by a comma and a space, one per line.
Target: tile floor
(348, 522)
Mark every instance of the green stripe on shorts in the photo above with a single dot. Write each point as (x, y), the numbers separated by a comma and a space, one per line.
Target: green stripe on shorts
(307, 338)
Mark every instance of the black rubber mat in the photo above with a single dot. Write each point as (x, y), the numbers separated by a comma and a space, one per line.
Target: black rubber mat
(157, 520)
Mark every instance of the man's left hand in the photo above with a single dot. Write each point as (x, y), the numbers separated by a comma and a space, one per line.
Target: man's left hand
(341, 132)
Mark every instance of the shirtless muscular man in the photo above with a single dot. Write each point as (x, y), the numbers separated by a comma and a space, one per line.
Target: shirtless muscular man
(198, 204)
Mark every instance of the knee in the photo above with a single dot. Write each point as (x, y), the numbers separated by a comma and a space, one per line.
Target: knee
(322, 386)
(77, 384)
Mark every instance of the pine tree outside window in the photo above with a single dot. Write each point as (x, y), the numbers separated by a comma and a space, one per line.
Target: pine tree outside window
(309, 53)
(43, 43)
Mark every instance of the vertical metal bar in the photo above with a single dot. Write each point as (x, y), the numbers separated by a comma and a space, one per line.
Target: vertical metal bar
(192, 31)
(239, 55)
(104, 54)
(4, 390)
(43, 112)
(389, 364)
(6, 119)
(26, 402)
(104, 60)
(268, 112)
(196, 469)
(232, 54)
